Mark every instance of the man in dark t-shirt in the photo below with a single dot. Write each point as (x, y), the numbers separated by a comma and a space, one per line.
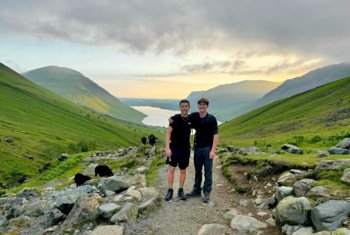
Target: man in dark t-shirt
(206, 140)
(178, 148)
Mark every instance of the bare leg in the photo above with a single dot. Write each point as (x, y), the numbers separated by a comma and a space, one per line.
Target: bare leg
(171, 172)
(182, 177)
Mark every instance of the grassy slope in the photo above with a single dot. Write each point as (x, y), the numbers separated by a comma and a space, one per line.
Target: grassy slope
(43, 125)
(81, 90)
(323, 112)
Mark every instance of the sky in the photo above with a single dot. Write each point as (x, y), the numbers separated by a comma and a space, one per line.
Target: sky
(168, 48)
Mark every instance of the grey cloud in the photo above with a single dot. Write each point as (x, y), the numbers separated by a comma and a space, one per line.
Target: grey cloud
(316, 27)
(241, 67)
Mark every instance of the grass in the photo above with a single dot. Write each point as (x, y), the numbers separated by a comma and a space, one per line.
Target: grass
(313, 119)
(81, 90)
(43, 125)
(152, 174)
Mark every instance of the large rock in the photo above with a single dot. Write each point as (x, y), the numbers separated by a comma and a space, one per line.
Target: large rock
(85, 210)
(335, 150)
(286, 179)
(113, 184)
(346, 176)
(302, 187)
(293, 210)
(303, 231)
(292, 149)
(210, 229)
(246, 224)
(283, 191)
(333, 165)
(149, 205)
(67, 198)
(318, 191)
(344, 144)
(109, 209)
(128, 214)
(329, 215)
(108, 230)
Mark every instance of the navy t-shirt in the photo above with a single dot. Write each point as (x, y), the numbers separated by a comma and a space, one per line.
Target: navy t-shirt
(205, 127)
(180, 135)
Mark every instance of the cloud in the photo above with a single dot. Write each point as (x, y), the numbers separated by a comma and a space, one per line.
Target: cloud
(318, 27)
(242, 67)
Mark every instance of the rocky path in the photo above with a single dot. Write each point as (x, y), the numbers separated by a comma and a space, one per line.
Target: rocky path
(187, 217)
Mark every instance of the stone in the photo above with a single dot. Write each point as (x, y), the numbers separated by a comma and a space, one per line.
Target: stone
(283, 191)
(301, 188)
(346, 176)
(108, 230)
(127, 214)
(293, 211)
(107, 210)
(246, 224)
(330, 214)
(210, 229)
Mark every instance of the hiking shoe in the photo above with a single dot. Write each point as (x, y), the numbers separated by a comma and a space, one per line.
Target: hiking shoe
(206, 197)
(193, 193)
(181, 194)
(169, 194)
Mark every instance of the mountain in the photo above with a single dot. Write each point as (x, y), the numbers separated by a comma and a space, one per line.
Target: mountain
(171, 104)
(320, 115)
(37, 125)
(226, 100)
(79, 89)
(306, 82)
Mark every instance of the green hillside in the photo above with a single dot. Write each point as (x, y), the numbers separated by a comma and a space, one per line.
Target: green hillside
(43, 125)
(316, 118)
(81, 90)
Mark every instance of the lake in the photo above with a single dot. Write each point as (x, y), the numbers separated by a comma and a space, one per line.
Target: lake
(155, 116)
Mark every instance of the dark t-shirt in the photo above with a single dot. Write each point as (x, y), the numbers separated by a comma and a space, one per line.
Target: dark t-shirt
(180, 136)
(205, 128)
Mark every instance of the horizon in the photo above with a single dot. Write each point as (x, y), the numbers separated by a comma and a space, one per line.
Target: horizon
(166, 50)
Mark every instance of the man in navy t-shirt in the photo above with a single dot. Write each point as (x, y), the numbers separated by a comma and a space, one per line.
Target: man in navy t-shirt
(206, 140)
(178, 148)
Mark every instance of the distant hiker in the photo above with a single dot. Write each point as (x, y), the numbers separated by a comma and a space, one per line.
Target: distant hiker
(178, 149)
(80, 179)
(144, 140)
(103, 170)
(152, 140)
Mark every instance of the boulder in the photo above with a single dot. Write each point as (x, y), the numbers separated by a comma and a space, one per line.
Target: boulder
(346, 176)
(128, 214)
(293, 211)
(210, 229)
(108, 230)
(330, 214)
(336, 150)
(246, 224)
(344, 144)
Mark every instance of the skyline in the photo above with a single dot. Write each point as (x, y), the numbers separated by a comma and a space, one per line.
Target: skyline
(166, 49)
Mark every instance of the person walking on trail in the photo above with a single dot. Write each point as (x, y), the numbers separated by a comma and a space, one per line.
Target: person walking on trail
(206, 140)
(178, 149)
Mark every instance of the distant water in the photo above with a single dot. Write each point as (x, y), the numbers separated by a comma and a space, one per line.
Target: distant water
(155, 116)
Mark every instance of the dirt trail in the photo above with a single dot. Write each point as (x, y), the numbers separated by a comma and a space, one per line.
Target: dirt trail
(186, 217)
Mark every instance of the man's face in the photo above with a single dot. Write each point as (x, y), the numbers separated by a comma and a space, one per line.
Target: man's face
(184, 107)
(202, 107)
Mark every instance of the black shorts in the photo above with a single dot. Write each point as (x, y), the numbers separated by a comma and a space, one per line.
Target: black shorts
(180, 157)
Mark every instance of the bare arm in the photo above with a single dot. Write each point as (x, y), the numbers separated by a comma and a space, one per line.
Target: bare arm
(215, 143)
(167, 141)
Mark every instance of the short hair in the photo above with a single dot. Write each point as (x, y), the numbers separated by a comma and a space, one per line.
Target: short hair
(184, 101)
(203, 100)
